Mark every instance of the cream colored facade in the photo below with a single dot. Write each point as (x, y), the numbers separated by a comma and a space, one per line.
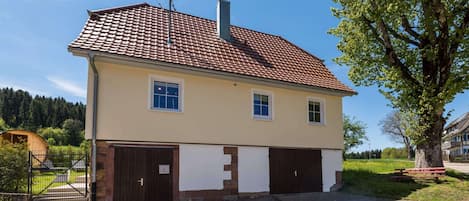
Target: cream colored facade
(215, 111)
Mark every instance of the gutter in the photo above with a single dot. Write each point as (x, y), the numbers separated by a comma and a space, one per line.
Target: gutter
(91, 58)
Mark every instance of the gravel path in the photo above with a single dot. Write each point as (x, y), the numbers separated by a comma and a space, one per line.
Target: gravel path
(461, 167)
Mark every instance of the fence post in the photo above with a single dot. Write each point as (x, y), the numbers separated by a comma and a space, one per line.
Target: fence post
(86, 174)
(30, 175)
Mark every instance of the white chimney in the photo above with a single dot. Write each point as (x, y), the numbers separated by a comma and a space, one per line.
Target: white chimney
(223, 20)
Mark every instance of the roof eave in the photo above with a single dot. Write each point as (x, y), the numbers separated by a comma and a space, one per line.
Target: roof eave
(172, 66)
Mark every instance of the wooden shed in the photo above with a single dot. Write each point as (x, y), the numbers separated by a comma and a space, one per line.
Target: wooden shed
(36, 143)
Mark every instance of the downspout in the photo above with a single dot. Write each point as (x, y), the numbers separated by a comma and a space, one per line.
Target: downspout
(91, 57)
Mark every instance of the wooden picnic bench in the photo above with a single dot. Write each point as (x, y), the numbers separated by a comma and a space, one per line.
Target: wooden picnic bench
(401, 174)
(433, 171)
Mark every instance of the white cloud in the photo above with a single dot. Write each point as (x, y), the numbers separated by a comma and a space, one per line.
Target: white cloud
(68, 86)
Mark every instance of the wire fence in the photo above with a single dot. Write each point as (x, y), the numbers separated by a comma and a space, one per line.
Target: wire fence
(47, 177)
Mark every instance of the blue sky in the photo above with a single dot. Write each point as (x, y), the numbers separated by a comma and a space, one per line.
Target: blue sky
(34, 36)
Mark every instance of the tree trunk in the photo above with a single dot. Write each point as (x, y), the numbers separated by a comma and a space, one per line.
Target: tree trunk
(428, 153)
(409, 152)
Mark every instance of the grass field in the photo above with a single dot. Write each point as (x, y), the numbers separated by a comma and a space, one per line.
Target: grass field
(372, 177)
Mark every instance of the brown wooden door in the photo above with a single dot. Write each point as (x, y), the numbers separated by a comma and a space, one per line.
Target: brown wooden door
(129, 168)
(159, 181)
(138, 176)
(295, 170)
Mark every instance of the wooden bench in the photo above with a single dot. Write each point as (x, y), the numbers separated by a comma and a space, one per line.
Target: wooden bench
(426, 173)
(401, 174)
(434, 171)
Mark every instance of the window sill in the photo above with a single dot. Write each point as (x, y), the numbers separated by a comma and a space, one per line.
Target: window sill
(165, 110)
(262, 118)
(316, 124)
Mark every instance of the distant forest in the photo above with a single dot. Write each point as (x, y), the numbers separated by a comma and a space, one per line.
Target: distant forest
(19, 109)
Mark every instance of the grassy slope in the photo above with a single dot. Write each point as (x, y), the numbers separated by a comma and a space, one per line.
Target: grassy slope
(373, 178)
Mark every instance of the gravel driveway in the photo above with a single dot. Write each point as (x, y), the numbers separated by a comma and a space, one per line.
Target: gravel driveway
(461, 167)
(334, 196)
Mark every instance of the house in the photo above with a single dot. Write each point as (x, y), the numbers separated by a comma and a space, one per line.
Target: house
(185, 108)
(36, 143)
(456, 139)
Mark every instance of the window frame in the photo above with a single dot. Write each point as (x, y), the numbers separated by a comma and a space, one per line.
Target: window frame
(158, 78)
(322, 108)
(270, 95)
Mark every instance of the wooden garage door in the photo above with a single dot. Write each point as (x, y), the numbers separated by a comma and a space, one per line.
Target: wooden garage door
(295, 170)
(142, 174)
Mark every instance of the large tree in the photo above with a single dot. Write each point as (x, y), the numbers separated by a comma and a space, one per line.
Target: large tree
(415, 51)
(396, 126)
(72, 129)
(354, 133)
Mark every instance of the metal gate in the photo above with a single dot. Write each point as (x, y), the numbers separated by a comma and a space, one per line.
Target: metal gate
(58, 176)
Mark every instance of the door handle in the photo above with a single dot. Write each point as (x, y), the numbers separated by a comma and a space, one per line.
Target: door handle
(296, 173)
(140, 181)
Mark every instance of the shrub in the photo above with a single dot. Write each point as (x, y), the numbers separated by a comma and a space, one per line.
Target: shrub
(13, 167)
(63, 155)
(58, 135)
(3, 125)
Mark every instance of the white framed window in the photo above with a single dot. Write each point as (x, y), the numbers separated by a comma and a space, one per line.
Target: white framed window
(316, 111)
(262, 104)
(166, 94)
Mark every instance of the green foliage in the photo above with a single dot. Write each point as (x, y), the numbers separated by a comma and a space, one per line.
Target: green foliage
(20, 110)
(85, 146)
(354, 133)
(51, 141)
(13, 167)
(73, 129)
(56, 136)
(63, 155)
(373, 154)
(3, 125)
(394, 153)
(415, 51)
(70, 134)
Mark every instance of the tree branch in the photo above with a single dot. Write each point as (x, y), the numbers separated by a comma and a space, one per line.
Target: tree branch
(391, 55)
(393, 58)
(460, 32)
(403, 37)
(373, 29)
(444, 61)
(408, 28)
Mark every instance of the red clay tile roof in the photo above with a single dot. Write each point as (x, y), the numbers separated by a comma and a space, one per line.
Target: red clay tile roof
(140, 31)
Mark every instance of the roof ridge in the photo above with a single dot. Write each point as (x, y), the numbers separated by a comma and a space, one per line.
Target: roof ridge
(98, 11)
(207, 19)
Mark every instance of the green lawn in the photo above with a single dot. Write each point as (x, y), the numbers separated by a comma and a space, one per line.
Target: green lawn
(372, 177)
(42, 180)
